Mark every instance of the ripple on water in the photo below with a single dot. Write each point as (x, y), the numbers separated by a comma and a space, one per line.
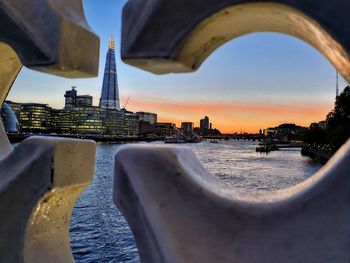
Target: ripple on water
(99, 233)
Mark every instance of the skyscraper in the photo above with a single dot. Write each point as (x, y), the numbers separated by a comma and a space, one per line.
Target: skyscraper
(204, 124)
(110, 94)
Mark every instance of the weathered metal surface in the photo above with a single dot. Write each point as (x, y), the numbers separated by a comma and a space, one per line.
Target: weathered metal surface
(164, 36)
(41, 180)
(42, 177)
(179, 212)
(5, 146)
(46, 35)
(47, 235)
(50, 36)
(9, 69)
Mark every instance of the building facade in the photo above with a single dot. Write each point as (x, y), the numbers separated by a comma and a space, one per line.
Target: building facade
(166, 128)
(285, 132)
(110, 94)
(187, 128)
(149, 117)
(93, 121)
(204, 124)
(87, 121)
(84, 101)
(34, 118)
(60, 121)
(72, 99)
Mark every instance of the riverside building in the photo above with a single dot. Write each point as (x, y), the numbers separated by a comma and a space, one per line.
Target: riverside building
(72, 99)
(149, 117)
(60, 121)
(84, 120)
(187, 128)
(204, 124)
(34, 118)
(166, 128)
(79, 116)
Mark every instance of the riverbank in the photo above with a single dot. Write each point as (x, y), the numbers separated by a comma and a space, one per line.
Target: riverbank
(316, 153)
(19, 137)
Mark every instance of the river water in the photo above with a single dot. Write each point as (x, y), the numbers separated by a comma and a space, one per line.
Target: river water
(99, 232)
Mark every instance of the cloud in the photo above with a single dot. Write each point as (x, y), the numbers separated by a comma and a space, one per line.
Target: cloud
(234, 116)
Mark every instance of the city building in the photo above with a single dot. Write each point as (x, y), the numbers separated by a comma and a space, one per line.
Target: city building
(114, 122)
(87, 120)
(122, 123)
(110, 94)
(130, 123)
(166, 128)
(79, 116)
(9, 119)
(149, 117)
(72, 99)
(285, 132)
(93, 121)
(321, 125)
(34, 118)
(60, 121)
(84, 101)
(204, 124)
(145, 129)
(187, 128)
(206, 128)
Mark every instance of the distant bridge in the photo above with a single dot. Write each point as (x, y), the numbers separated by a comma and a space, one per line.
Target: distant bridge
(19, 137)
(252, 137)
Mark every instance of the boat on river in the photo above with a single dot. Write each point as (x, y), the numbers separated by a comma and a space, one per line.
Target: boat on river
(266, 147)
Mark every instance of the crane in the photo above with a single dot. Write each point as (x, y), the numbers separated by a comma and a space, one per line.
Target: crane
(126, 103)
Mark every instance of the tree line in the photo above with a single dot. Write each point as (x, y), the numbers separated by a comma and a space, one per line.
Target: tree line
(337, 130)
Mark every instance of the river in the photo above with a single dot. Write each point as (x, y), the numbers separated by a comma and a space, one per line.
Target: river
(99, 232)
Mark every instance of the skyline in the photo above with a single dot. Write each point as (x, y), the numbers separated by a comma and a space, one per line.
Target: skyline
(256, 81)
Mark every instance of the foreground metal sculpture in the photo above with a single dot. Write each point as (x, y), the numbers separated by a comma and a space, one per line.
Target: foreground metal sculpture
(42, 177)
(178, 212)
(177, 36)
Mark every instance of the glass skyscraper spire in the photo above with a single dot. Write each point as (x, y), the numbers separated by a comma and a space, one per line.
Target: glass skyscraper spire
(110, 94)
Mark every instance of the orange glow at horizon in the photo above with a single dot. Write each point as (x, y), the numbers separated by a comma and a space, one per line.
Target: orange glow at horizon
(235, 116)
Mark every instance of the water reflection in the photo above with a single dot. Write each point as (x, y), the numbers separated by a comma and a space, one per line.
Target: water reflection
(99, 233)
(237, 163)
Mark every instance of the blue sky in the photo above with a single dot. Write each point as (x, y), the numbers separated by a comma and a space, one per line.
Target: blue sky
(245, 82)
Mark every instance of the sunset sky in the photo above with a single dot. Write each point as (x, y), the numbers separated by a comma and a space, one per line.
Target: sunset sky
(252, 82)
